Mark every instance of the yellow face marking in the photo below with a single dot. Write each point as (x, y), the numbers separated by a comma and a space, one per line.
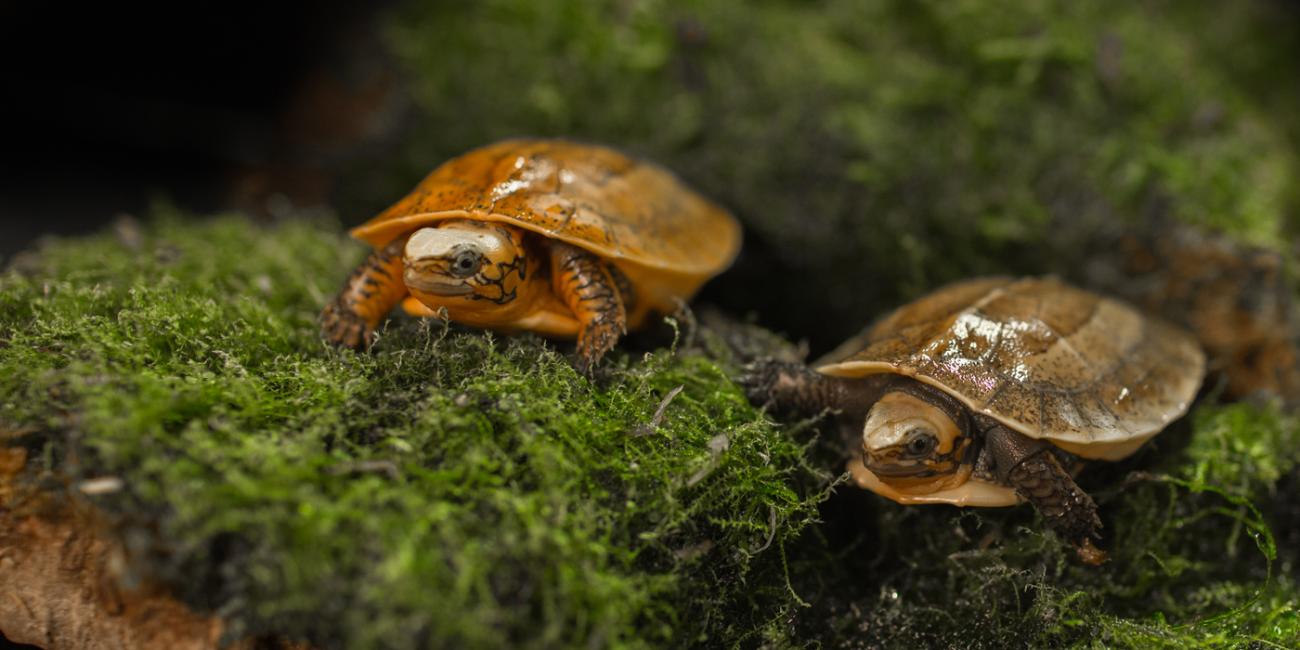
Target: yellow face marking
(913, 446)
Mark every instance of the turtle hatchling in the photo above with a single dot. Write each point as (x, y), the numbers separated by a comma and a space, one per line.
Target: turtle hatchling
(548, 236)
(993, 391)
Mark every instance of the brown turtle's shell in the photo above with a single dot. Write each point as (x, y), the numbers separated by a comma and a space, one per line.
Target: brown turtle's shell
(1052, 361)
(667, 238)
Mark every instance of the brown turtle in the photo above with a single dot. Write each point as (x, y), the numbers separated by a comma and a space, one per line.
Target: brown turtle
(550, 236)
(989, 392)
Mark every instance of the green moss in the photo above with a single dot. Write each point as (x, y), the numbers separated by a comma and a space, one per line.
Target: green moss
(449, 489)
(1237, 447)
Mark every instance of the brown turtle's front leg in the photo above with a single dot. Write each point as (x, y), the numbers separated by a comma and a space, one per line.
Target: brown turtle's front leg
(1029, 466)
(585, 284)
(793, 390)
(368, 295)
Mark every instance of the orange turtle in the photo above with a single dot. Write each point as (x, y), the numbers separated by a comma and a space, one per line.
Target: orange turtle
(549, 236)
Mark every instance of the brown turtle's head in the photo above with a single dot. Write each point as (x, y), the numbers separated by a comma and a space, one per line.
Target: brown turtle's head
(912, 443)
(465, 265)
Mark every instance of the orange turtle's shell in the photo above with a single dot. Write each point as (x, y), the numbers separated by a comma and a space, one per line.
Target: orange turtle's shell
(1088, 373)
(665, 237)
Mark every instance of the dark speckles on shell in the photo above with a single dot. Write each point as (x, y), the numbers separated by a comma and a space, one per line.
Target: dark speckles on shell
(1048, 359)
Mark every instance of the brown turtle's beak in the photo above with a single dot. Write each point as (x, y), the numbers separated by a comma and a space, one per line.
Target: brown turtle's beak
(894, 471)
(893, 468)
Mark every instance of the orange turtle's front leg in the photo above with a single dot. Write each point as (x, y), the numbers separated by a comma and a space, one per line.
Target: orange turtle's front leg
(368, 295)
(583, 282)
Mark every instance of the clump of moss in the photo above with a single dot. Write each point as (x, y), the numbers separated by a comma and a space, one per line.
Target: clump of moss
(449, 489)
(875, 150)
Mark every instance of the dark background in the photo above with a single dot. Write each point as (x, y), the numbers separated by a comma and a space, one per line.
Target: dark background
(107, 107)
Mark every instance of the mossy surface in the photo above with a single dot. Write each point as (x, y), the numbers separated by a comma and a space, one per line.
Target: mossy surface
(455, 489)
(449, 489)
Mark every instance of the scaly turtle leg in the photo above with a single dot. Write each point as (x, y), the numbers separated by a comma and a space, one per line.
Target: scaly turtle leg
(368, 295)
(1029, 466)
(585, 284)
(793, 390)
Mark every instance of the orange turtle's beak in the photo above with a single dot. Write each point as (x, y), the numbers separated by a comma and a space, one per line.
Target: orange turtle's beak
(418, 276)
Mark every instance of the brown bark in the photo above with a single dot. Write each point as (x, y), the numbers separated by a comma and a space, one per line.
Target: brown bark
(61, 581)
(60, 591)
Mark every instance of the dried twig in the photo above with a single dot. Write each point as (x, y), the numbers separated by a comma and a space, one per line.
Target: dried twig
(385, 467)
(658, 417)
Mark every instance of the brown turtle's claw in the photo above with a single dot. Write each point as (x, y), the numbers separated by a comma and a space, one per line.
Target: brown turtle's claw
(345, 328)
(760, 378)
(789, 389)
(768, 381)
(1089, 554)
(1038, 476)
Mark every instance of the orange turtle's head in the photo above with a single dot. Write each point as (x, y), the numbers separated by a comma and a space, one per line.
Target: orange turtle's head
(466, 265)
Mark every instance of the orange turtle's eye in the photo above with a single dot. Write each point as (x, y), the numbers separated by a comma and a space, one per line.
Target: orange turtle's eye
(466, 263)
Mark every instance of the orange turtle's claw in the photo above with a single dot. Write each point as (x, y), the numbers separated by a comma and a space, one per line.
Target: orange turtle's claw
(370, 292)
(345, 328)
(585, 284)
(593, 342)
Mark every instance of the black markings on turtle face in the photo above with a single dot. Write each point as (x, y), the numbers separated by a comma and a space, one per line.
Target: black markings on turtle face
(518, 266)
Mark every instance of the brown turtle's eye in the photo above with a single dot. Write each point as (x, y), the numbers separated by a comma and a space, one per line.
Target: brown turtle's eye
(921, 443)
(466, 263)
